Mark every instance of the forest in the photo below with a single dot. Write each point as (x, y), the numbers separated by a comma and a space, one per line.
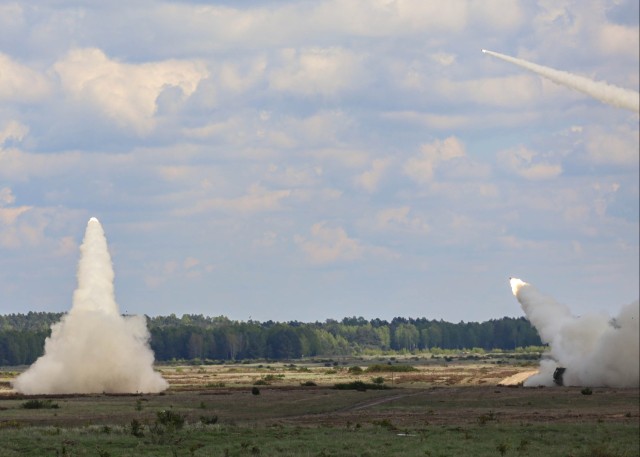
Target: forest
(201, 338)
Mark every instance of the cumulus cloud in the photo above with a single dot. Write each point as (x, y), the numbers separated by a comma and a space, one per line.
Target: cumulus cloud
(329, 244)
(505, 91)
(317, 71)
(241, 76)
(13, 233)
(618, 39)
(421, 168)
(370, 179)
(617, 147)
(401, 218)
(6, 196)
(443, 58)
(292, 176)
(126, 93)
(529, 164)
(19, 83)
(13, 130)
(159, 273)
(257, 199)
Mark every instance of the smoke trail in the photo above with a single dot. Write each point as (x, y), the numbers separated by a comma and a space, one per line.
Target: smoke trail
(595, 349)
(600, 90)
(94, 349)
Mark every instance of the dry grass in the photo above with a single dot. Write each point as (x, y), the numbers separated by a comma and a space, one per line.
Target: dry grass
(281, 374)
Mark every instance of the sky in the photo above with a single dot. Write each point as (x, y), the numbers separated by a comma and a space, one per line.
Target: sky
(312, 160)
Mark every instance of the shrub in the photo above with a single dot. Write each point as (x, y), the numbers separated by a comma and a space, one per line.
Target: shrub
(39, 404)
(170, 419)
(355, 370)
(255, 391)
(209, 420)
(308, 384)
(136, 428)
(385, 423)
(378, 380)
(359, 386)
(586, 391)
(484, 418)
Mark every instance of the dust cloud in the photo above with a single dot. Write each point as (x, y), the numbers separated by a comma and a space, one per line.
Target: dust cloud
(93, 349)
(595, 349)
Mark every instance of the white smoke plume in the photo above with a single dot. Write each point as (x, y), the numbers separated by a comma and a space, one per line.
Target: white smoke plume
(93, 349)
(600, 90)
(595, 349)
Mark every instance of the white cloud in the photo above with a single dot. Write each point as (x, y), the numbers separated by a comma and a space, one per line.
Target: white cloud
(257, 199)
(617, 147)
(317, 71)
(618, 39)
(14, 130)
(239, 77)
(400, 218)
(291, 176)
(19, 83)
(507, 91)
(191, 268)
(443, 58)
(18, 166)
(349, 157)
(370, 179)
(448, 122)
(125, 93)
(421, 168)
(66, 246)
(328, 245)
(497, 14)
(528, 164)
(6, 196)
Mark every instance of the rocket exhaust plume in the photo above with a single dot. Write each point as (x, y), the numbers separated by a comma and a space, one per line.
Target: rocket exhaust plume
(600, 90)
(93, 349)
(595, 349)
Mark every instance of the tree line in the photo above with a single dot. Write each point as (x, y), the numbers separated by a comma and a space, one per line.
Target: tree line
(198, 337)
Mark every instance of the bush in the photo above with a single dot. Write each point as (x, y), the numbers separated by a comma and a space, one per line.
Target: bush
(308, 384)
(255, 391)
(170, 419)
(359, 386)
(586, 391)
(355, 370)
(165, 427)
(39, 404)
(209, 420)
(136, 428)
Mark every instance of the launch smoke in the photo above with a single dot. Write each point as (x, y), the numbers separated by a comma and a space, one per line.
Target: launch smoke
(600, 90)
(595, 349)
(93, 349)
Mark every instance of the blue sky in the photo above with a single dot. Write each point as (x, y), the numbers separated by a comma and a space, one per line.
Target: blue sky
(310, 160)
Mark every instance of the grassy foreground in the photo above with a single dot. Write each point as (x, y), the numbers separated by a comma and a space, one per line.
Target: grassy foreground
(381, 439)
(435, 410)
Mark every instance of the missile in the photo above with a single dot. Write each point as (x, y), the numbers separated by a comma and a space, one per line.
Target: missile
(484, 51)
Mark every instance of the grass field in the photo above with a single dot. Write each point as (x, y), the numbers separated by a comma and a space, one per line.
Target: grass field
(441, 409)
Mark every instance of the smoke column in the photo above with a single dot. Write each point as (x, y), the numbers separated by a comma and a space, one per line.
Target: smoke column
(595, 349)
(93, 349)
(600, 90)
